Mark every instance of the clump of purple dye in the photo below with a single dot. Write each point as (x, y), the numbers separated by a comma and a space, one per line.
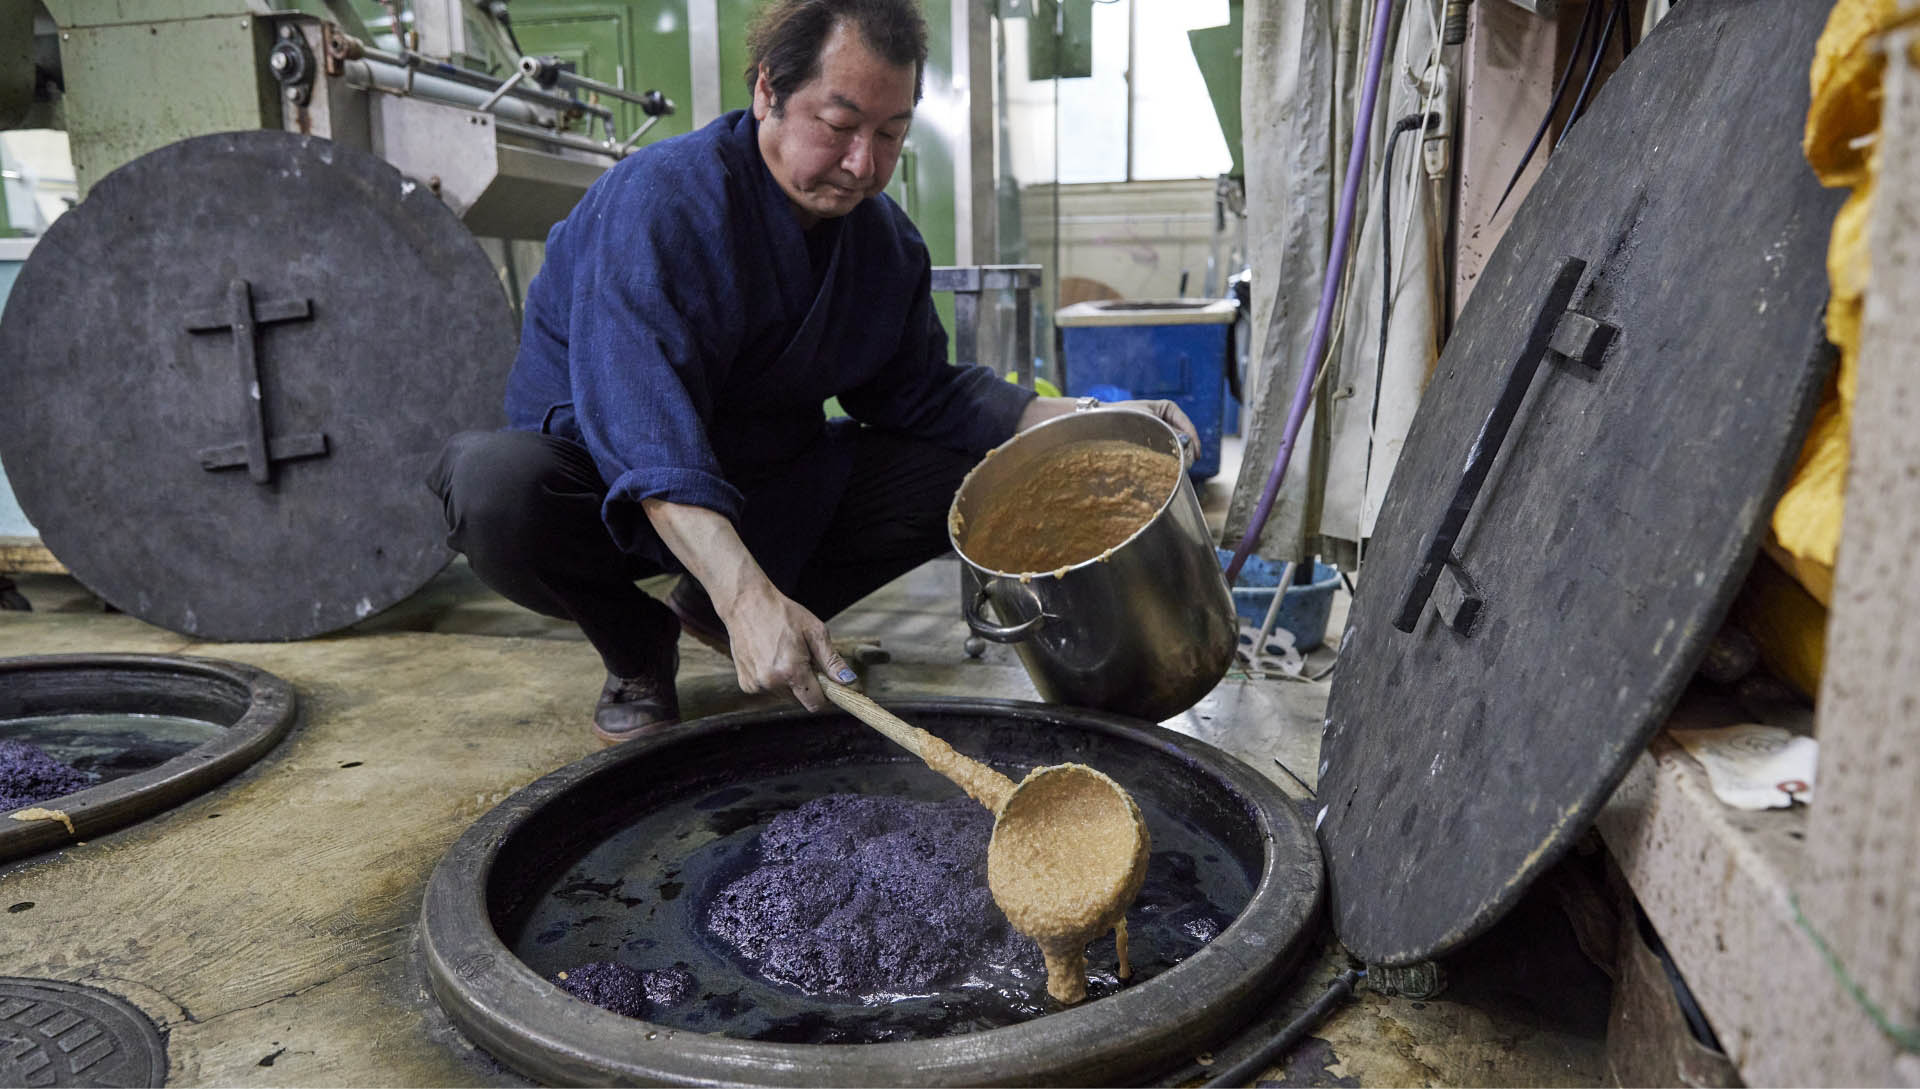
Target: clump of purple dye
(608, 985)
(669, 986)
(29, 776)
(630, 992)
(860, 895)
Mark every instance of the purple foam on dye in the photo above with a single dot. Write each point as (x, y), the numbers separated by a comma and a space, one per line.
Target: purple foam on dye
(630, 992)
(608, 985)
(29, 776)
(669, 986)
(861, 895)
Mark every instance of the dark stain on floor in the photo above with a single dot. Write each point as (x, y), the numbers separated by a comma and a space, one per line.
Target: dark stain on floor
(1309, 1065)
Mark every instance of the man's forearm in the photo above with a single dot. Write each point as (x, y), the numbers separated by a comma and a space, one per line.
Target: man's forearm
(775, 642)
(711, 550)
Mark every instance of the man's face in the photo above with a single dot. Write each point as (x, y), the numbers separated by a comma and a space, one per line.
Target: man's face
(837, 137)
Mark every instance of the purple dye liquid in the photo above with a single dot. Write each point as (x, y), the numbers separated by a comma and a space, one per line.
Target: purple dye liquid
(29, 776)
(858, 895)
(644, 896)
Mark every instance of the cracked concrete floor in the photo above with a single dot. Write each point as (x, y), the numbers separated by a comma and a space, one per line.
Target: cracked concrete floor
(268, 926)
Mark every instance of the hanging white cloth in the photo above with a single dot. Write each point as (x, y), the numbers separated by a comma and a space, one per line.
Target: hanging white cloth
(1301, 87)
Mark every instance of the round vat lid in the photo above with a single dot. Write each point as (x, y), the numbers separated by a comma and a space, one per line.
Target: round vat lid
(1585, 483)
(229, 370)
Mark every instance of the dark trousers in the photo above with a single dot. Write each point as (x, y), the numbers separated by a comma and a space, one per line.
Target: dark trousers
(525, 509)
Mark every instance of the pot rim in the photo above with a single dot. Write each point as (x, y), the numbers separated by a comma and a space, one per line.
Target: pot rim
(953, 509)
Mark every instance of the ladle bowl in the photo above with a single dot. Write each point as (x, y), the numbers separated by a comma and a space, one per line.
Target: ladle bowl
(1069, 848)
(1068, 855)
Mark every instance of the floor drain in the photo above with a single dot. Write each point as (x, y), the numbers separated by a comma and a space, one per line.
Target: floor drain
(59, 1034)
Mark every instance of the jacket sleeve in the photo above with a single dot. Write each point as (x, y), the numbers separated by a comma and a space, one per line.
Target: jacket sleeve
(961, 407)
(648, 343)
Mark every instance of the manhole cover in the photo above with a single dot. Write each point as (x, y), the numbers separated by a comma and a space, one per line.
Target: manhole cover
(54, 1033)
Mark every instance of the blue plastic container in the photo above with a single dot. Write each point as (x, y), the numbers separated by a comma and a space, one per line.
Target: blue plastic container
(1303, 611)
(13, 257)
(1174, 350)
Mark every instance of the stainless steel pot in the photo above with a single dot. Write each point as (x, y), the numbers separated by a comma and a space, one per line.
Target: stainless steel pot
(1145, 629)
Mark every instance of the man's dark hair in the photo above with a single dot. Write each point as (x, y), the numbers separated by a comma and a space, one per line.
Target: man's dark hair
(786, 38)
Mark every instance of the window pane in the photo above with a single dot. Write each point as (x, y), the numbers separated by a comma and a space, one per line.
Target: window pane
(1093, 110)
(1175, 132)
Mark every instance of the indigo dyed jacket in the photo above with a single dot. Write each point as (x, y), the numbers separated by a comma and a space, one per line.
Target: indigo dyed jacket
(682, 332)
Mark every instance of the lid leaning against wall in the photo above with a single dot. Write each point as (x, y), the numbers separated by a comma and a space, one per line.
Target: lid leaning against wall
(1585, 484)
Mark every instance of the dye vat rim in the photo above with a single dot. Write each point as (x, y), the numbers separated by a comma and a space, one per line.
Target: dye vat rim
(532, 1025)
(254, 707)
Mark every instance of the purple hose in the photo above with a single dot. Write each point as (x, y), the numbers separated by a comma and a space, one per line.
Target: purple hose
(1329, 291)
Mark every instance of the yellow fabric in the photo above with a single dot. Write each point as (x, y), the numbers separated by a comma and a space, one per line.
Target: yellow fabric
(1842, 146)
(1786, 623)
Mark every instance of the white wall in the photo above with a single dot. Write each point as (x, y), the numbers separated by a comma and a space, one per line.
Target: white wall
(1135, 237)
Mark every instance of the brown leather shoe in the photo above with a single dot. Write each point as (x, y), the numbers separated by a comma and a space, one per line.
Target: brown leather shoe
(638, 705)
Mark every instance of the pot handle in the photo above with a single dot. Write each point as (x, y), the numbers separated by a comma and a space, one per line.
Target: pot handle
(1011, 633)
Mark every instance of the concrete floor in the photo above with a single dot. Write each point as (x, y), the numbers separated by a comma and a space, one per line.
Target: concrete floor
(268, 926)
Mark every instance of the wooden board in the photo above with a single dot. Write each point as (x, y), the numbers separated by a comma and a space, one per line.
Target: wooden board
(27, 556)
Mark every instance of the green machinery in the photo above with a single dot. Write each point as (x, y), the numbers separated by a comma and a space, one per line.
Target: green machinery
(509, 144)
(137, 77)
(269, 307)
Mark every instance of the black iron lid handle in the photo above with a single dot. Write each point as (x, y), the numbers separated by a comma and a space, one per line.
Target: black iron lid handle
(1583, 339)
(242, 317)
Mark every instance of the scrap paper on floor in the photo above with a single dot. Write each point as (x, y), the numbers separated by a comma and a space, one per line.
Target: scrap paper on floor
(1752, 766)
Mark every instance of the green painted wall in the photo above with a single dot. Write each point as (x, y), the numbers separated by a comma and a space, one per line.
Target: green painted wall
(734, 16)
(638, 44)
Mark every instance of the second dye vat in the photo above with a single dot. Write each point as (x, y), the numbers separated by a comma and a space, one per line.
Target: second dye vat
(110, 745)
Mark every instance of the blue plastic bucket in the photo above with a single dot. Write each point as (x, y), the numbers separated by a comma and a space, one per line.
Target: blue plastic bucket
(1304, 609)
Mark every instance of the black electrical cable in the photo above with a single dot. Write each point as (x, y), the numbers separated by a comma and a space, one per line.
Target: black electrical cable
(1244, 1071)
(1400, 128)
(1587, 19)
(1626, 35)
(498, 9)
(1593, 69)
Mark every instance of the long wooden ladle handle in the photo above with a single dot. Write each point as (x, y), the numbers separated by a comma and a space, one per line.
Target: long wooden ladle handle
(982, 783)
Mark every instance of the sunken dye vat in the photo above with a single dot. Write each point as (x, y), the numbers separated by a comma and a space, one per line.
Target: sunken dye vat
(148, 730)
(616, 859)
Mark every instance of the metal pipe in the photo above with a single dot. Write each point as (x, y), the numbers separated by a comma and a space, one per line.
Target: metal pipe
(638, 133)
(564, 139)
(414, 62)
(374, 75)
(509, 85)
(544, 74)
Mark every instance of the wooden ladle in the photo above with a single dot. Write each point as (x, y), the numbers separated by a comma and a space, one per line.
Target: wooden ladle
(1069, 848)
